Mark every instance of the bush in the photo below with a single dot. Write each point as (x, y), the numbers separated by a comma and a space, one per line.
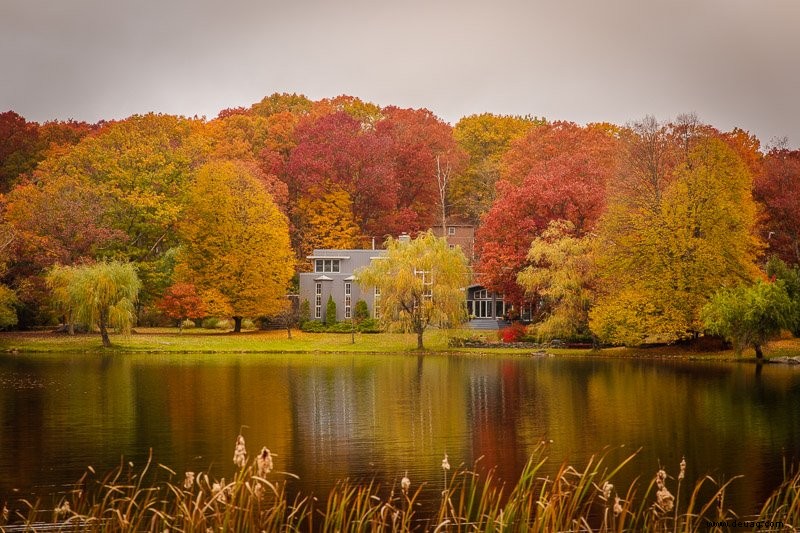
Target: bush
(369, 325)
(305, 312)
(217, 323)
(514, 333)
(330, 311)
(188, 324)
(361, 311)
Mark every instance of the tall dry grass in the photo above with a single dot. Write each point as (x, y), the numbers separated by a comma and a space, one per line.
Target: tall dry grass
(255, 499)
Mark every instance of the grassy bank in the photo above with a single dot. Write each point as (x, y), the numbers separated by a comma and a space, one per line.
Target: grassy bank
(207, 341)
(585, 498)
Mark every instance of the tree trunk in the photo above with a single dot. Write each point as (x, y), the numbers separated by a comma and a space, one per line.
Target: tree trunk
(237, 324)
(759, 353)
(104, 331)
(289, 330)
(419, 340)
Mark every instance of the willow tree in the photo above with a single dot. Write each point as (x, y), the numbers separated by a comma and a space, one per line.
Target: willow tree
(421, 283)
(235, 244)
(563, 275)
(102, 295)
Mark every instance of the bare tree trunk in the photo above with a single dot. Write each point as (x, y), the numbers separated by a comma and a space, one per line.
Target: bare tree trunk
(419, 340)
(104, 331)
(442, 178)
(759, 353)
(237, 324)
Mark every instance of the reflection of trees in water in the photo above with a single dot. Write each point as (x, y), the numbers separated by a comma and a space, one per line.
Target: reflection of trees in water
(331, 417)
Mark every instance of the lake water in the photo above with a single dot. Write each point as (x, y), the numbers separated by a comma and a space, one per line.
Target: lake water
(331, 417)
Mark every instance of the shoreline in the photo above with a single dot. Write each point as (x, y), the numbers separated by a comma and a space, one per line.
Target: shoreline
(169, 340)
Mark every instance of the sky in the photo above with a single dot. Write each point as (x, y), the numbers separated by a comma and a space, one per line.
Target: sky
(735, 63)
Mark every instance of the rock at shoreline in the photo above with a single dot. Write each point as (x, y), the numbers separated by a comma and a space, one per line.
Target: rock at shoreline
(786, 360)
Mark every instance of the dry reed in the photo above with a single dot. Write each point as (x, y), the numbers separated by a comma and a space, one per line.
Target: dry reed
(572, 499)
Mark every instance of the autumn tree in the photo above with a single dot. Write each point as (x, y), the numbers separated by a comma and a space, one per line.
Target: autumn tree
(421, 284)
(485, 139)
(326, 221)
(141, 167)
(675, 231)
(423, 155)
(778, 188)
(235, 243)
(18, 147)
(102, 295)
(561, 272)
(336, 151)
(24, 144)
(62, 220)
(556, 172)
(181, 302)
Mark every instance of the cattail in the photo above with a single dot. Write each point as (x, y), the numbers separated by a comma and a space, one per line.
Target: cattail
(445, 463)
(259, 491)
(5, 513)
(665, 499)
(63, 509)
(189, 481)
(617, 506)
(240, 453)
(607, 488)
(264, 462)
(682, 473)
(405, 484)
(218, 491)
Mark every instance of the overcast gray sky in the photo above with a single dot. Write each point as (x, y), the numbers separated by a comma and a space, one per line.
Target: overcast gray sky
(733, 62)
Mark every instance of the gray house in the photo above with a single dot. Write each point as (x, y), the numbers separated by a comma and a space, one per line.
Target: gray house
(333, 276)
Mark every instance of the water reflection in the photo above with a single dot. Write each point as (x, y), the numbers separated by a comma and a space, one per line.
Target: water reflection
(362, 417)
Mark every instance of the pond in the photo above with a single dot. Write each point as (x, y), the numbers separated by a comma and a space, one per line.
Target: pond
(331, 417)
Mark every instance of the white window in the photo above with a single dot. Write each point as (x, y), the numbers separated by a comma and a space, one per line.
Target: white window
(451, 246)
(348, 299)
(326, 265)
(451, 230)
(318, 300)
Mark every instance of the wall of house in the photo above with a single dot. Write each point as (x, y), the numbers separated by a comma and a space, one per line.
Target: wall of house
(461, 235)
(334, 283)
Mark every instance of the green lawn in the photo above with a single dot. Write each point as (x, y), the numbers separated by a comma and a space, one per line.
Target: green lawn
(201, 340)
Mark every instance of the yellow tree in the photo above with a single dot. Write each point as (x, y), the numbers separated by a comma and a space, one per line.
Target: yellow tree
(326, 221)
(562, 274)
(235, 243)
(134, 171)
(485, 138)
(421, 283)
(669, 241)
